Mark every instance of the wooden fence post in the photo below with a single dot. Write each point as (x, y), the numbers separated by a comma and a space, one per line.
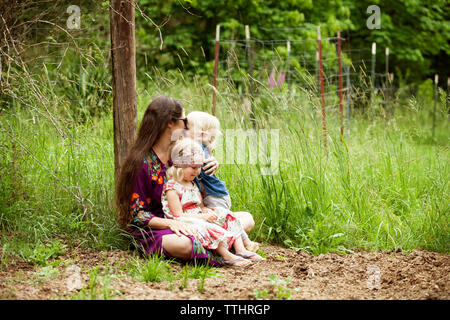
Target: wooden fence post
(341, 108)
(348, 96)
(216, 66)
(122, 29)
(387, 62)
(249, 49)
(374, 51)
(436, 80)
(250, 73)
(288, 72)
(324, 122)
(447, 97)
(317, 72)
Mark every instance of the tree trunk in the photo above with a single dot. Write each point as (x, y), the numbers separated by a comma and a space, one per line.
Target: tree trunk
(123, 54)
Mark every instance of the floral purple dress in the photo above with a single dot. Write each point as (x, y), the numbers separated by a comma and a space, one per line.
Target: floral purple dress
(146, 204)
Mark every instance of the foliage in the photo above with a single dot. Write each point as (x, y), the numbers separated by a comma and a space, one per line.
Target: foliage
(277, 290)
(154, 269)
(98, 286)
(384, 186)
(72, 62)
(417, 32)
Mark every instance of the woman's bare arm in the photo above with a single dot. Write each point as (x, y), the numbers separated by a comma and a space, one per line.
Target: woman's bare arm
(178, 227)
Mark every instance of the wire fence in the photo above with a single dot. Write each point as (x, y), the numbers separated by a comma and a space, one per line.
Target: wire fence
(334, 76)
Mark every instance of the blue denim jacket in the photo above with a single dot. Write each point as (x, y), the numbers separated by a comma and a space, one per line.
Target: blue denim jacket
(210, 185)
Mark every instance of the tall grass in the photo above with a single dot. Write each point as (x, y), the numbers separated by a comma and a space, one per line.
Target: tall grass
(380, 188)
(383, 186)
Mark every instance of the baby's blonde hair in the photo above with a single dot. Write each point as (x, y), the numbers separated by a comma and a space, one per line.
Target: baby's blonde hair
(202, 122)
(183, 152)
(174, 173)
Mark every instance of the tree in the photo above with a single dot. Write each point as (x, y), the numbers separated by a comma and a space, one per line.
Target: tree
(416, 31)
(122, 26)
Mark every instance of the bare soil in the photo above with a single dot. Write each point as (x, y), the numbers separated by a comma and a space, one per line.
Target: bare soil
(285, 274)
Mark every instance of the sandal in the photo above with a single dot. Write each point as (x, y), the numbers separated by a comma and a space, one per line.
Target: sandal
(232, 263)
(250, 256)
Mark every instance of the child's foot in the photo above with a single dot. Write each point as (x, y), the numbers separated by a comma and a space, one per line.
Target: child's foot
(251, 245)
(237, 263)
(234, 261)
(250, 256)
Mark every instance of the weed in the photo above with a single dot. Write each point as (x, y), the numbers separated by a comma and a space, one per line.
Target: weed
(153, 269)
(261, 294)
(279, 288)
(98, 286)
(185, 275)
(4, 256)
(42, 253)
(201, 283)
(46, 273)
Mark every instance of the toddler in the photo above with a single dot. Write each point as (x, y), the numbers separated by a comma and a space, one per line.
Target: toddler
(217, 229)
(205, 128)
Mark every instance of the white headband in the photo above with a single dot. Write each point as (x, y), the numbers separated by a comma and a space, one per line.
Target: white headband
(186, 158)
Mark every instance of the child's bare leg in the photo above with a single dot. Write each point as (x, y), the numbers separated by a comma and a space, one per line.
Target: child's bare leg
(242, 251)
(248, 224)
(250, 245)
(228, 256)
(238, 245)
(245, 239)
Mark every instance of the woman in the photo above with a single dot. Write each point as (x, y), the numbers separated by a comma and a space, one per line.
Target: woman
(141, 180)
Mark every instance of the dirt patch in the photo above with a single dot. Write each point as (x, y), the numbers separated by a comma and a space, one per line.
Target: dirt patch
(285, 274)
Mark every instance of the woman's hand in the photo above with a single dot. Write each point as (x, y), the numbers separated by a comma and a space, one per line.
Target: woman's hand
(207, 210)
(181, 228)
(211, 165)
(210, 216)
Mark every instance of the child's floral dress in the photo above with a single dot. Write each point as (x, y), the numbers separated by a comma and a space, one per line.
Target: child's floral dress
(225, 228)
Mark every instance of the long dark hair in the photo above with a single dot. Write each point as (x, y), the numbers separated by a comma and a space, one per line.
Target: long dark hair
(159, 113)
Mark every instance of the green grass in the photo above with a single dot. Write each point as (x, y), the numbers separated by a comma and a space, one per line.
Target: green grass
(384, 186)
(98, 286)
(152, 269)
(157, 269)
(39, 253)
(277, 290)
(377, 190)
